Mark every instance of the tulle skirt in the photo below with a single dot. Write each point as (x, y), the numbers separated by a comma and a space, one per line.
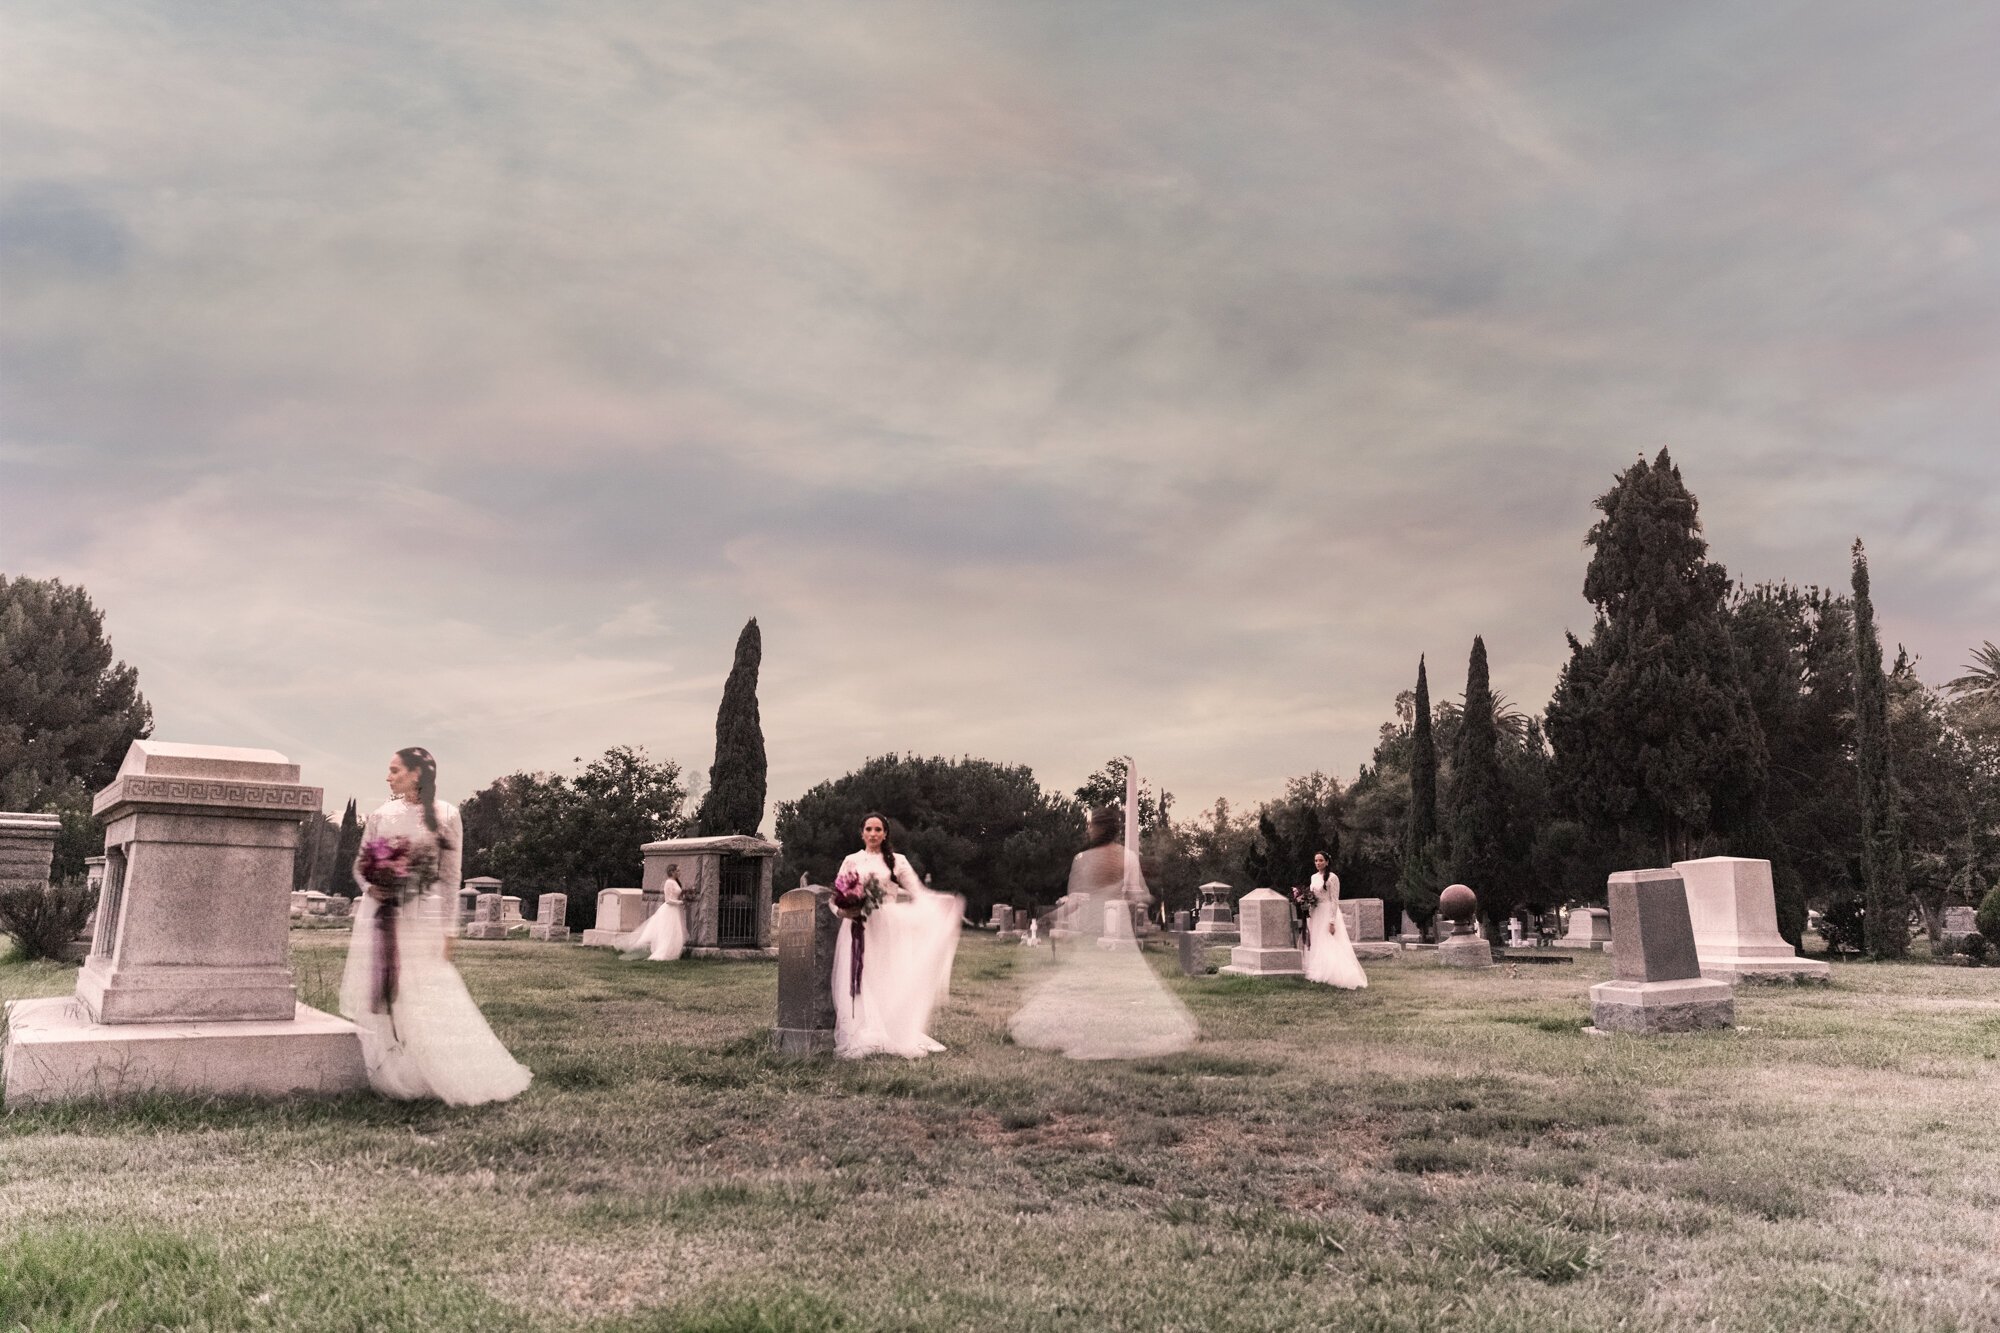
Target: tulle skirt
(1101, 1004)
(433, 1042)
(663, 936)
(905, 974)
(1329, 954)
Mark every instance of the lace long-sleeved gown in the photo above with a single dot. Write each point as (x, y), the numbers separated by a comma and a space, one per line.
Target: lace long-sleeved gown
(1329, 954)
(912, 939)
(432, 1041)
(661, 937)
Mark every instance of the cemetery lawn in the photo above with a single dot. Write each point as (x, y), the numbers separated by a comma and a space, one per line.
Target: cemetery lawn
(1442, 1151)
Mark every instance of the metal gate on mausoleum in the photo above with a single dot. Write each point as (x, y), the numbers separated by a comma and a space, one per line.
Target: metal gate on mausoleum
(736, 905)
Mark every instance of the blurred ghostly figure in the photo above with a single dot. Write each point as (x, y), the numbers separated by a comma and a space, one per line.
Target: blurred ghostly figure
(1102, 1003)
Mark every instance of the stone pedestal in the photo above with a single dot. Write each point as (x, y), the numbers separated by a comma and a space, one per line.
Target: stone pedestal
(511, 915)
(619, 913)
(27, 849)
(551, 917)
(188, 986)
(1734, 912)
(1193, 954)
(1214, 920)
(807, 930)
(725, 888)
(1589, 928)
(1117, 931)
(1363, 918)
(1656, 985)
(1468, 951)
(1267, 949)
(486, 919)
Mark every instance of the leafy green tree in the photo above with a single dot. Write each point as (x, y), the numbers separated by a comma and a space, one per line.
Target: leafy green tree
(1884, 852)
(736, 781)
(975, 827)
(1948, 799)
(68, 711)
(1106, 787)
(1656, 747)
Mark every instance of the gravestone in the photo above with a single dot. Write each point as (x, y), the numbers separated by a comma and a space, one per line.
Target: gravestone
(300, 900)
(488, 922)
(1117, 931)
(1363, 918)
(339, 905)
(1183, 922)
(1458, 909)
(188, 986)
(1003, 916)
(479, 884)
(619, 913)
(1656, 984)
(468, 903)
(1213, 919)
(1961, 921)
(510, 911)
(27, 849)
(1734, 912)
(1589, 928)
(1193, 954)
(551, 917)
(806, 932)
(1268, 950)
(1514, 937)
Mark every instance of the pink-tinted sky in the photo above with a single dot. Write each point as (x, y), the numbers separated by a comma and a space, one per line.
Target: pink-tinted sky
(1051, 381)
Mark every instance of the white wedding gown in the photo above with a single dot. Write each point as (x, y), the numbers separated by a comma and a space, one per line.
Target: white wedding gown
(911, 941)
(1329, 954)
(433, 1041)
(662, 937)
(1102, 1004)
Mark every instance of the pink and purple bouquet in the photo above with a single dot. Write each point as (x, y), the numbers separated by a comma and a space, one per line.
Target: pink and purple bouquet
(1304, 900)
(399, 868)
(854, 897)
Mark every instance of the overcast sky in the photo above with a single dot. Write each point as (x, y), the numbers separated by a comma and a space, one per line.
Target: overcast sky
(1051, 380)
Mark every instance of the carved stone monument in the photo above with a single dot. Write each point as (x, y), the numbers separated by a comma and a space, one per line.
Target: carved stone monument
(1734, 911)
(1363, 918)
(619, 913)
(551, 917)
(1957, 921)
(1215, 920)
(1589, 928)
(1268, 949)
(807, 930)
(487, 921)
(726, 886)
(1459, 941)
(27, 850)
(1656, 984)
(188, 987)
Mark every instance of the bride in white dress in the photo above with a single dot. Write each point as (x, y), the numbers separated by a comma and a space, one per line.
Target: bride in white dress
(1103, 1003)
(662, 936)
(421, 1033)
(1329, 954)
(910, 941)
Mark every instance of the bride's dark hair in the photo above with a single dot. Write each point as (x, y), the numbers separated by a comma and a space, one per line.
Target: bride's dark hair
(419, 761)
(1104, 826)
(888, 848)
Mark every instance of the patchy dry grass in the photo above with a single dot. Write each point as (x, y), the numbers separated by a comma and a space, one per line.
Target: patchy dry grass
(1441, 1151)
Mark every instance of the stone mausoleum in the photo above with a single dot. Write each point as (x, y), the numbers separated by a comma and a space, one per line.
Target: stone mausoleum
(726, 884)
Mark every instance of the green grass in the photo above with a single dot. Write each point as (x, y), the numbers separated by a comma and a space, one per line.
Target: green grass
(1441, 1151)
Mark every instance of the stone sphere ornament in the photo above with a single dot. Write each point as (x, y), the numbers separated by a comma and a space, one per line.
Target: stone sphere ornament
(1459, 905)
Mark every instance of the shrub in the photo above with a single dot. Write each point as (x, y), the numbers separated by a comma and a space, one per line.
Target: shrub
(1841, 926)
(1973, 946)
(1989, 914)
(43, 922)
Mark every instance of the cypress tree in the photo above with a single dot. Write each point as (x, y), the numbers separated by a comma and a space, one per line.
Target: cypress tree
(1657, 747)
(1884, 857)
(1476, 804)
(736, 781)
(1419, 880)
(340, 875)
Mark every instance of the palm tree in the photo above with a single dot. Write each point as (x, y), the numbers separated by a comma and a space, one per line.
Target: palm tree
(1983, 675)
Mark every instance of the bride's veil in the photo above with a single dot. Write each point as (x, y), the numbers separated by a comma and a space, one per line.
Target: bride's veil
(1100, 999)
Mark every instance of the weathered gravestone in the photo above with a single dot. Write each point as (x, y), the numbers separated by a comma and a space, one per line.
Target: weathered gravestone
(188, 987)
(1268, 949)
(1193, 953)
(1363, 918)
(807, 929)
(27, 849)
(1589, 928)
(1117, 931)
(1214, 920)
(511, 915)
(1656, 984)
(1734, 911)
(1003, 916)
(487, 919)
(1961, 921)
(1458, 909)
(619, 913)
(551, 917)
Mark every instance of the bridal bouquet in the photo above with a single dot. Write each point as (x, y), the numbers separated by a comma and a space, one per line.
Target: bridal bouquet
(401, 870)
(1303, 902)
(856, 898)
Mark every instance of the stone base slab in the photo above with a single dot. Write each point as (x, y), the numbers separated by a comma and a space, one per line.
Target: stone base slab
(739, 955)
(1769, 971)
(486, 930)
(1246, 962)
(1567, 943)
(55, 1053)
(1218, 934)
(120, 994)
(1376, 949)
(541, 932)
(1694, 1005)
(603, 939)
(1465, 951)
(801, 1041)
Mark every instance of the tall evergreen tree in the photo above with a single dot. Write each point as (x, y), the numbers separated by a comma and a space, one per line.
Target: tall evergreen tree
(1884, 856)
(1657, 748)
(736, 781)
(1476, 800)
(1418, 882)
(340, 874)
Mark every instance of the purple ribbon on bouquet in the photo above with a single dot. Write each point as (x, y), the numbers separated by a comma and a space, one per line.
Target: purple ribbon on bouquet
(388, 963)
(859, 936)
